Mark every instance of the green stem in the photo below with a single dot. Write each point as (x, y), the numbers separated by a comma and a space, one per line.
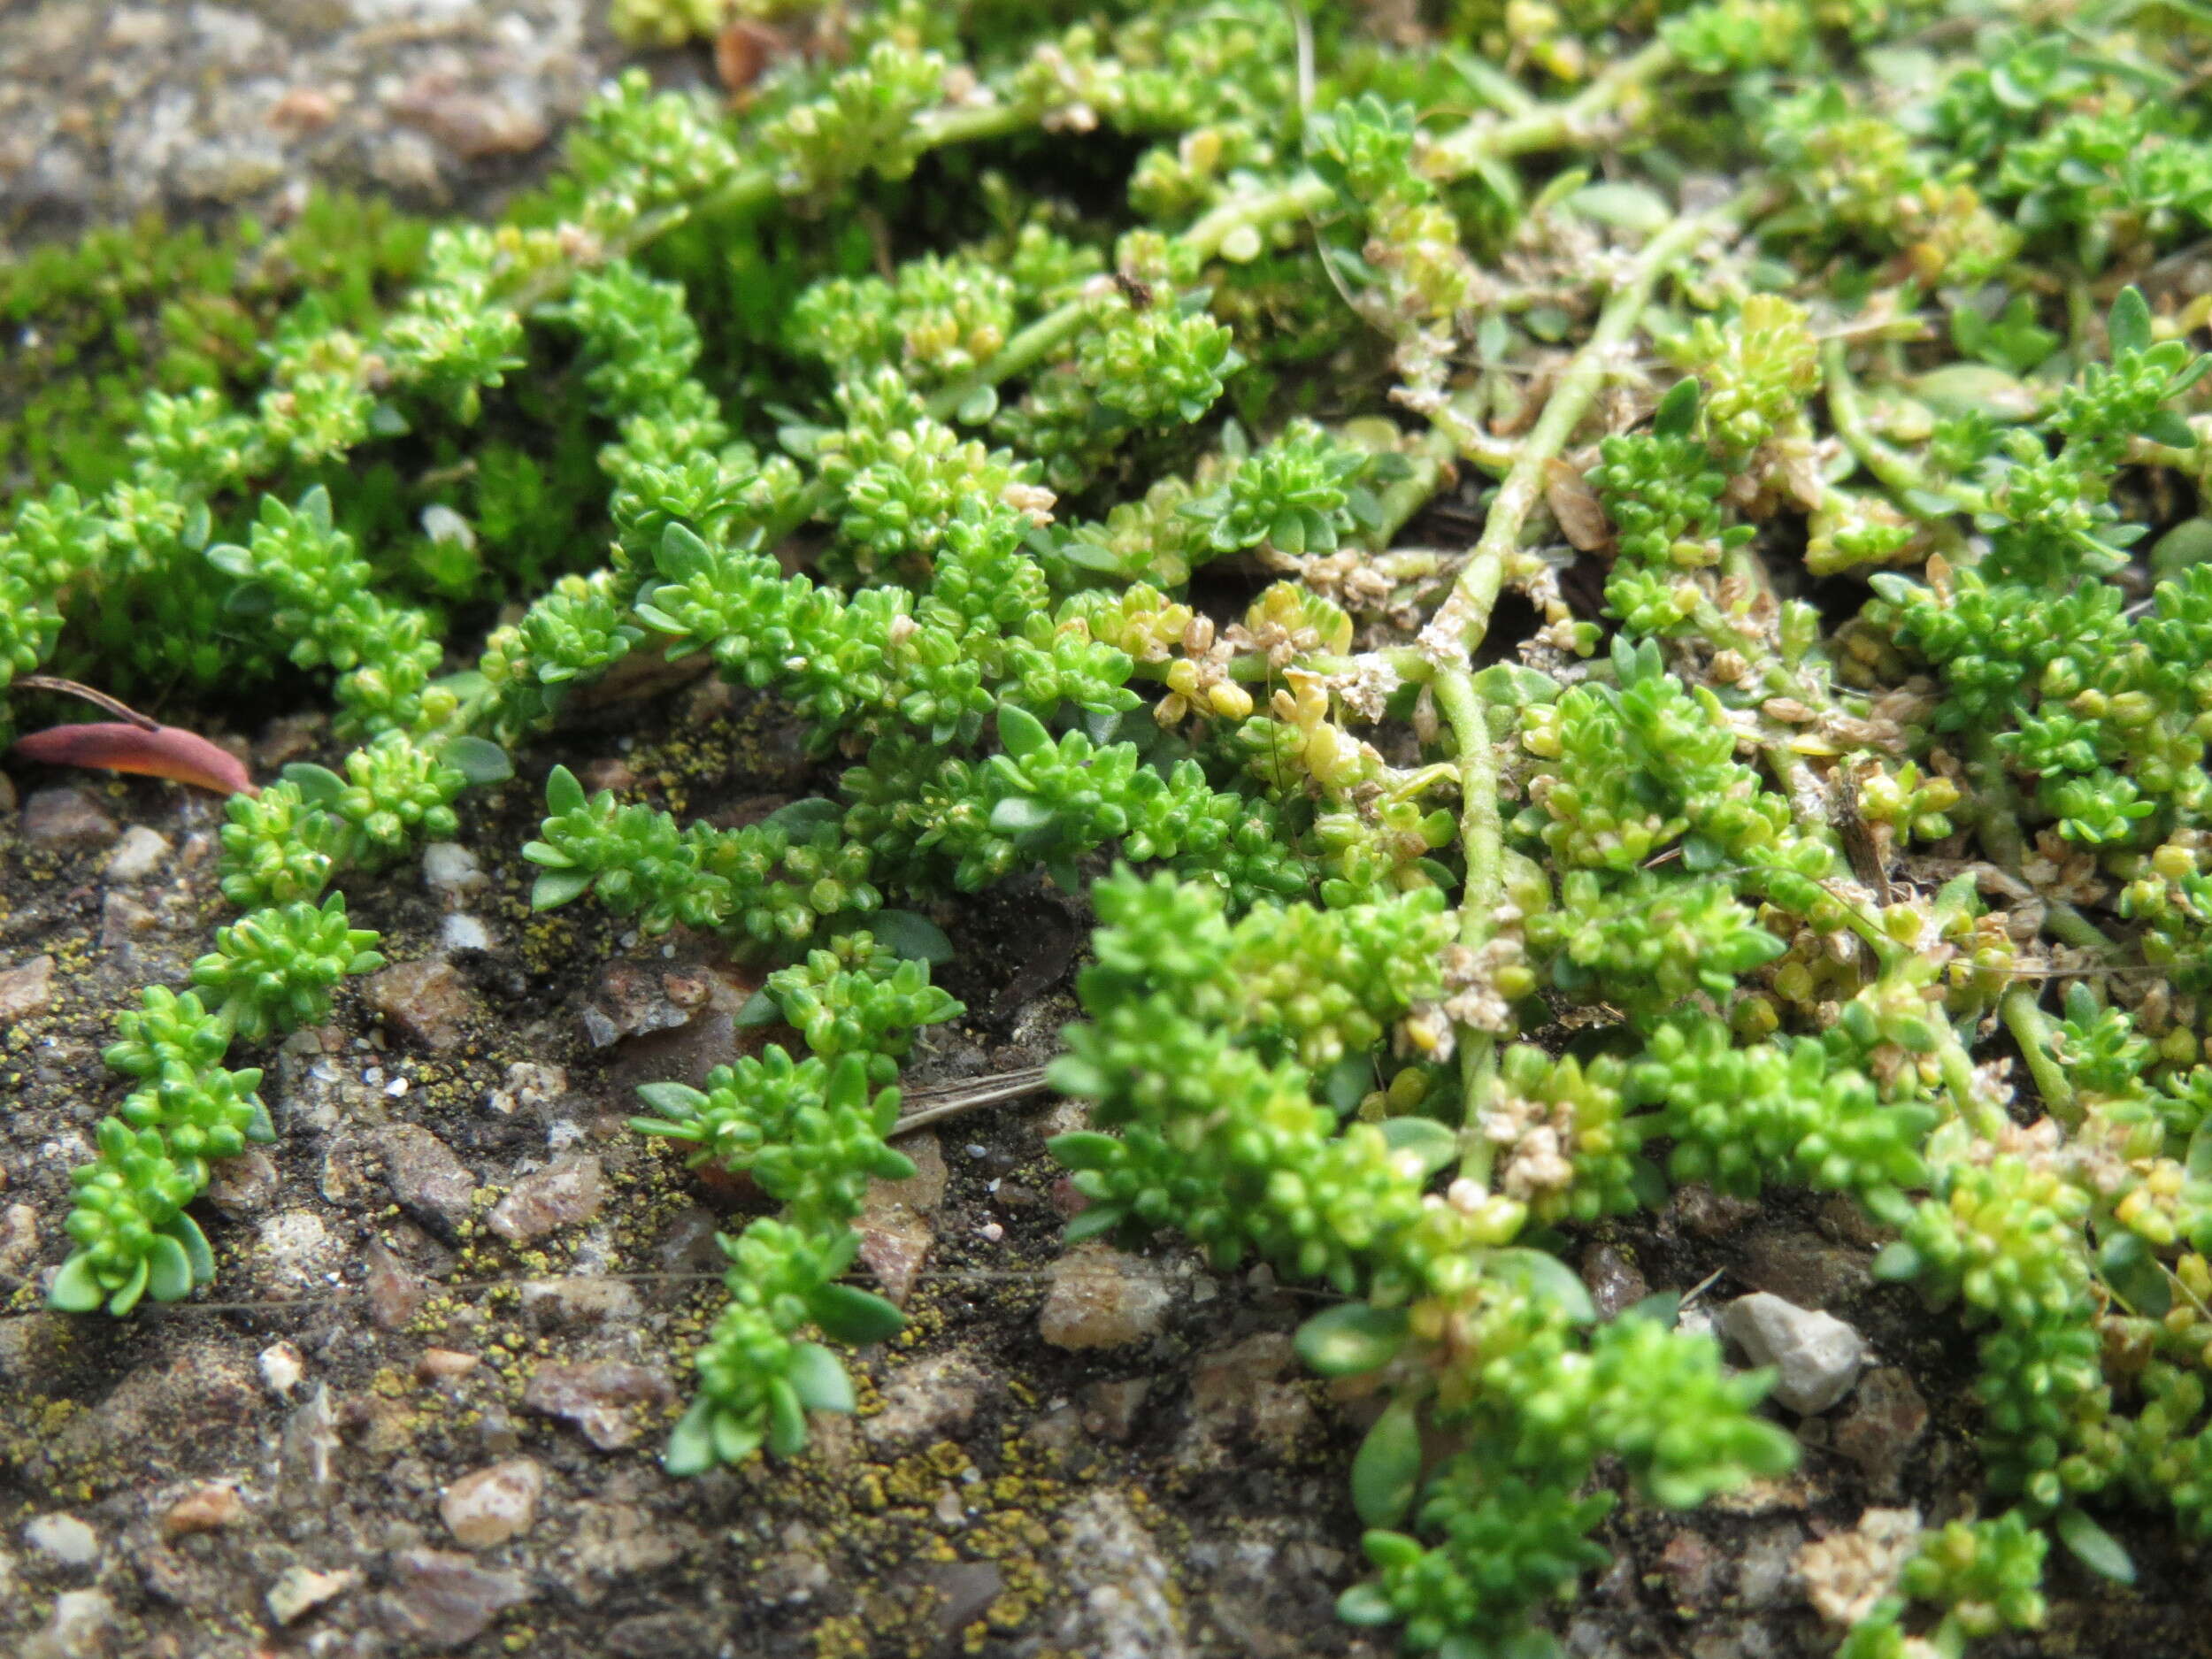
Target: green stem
(1550, 125)
(1898, 473)
(1985, 1118)
(2024, 1019)
(1461, 620)
(1997, 807)
(1482, 839)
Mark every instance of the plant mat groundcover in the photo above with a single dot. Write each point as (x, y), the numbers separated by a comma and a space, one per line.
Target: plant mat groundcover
(1553, 662)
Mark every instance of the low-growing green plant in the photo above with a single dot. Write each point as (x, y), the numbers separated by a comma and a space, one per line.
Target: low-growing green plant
(1416, 946)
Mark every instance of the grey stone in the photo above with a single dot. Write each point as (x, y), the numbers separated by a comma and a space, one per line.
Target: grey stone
(1119, 1587)
(566, 1194)
(297, 1246)
(1615, 1281)
(426, 1179)
(65, 821)
(599, 1398)
(243, 1185)
(138, 855)
(689, 1634)
(308, 1455)
(579, 1300)
(1816, 1357)
(444, 1601)
(963, 1591)
(926, 1400)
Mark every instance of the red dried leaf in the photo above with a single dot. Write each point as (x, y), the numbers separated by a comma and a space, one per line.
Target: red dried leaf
(165, 752)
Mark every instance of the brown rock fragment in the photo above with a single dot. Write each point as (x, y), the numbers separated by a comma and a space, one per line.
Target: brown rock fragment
(425, 1002)
(27, 988)
(598, 1398)
(202, 1509)
(394, 1294)
(1102, 1298)
(489, 1506)
(426, 1179)
(65, 821)
(444, 1601)
(566, 1194)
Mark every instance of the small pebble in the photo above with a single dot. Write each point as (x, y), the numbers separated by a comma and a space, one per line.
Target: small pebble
(202, 1509)
(282, 1369)
(1816, 1357)
(300, 1591)
(491, 1505)
(139, 854)
(63, 1538)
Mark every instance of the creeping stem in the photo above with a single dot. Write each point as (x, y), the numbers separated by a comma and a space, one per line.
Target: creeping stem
(1482, 838)
(1460, 622)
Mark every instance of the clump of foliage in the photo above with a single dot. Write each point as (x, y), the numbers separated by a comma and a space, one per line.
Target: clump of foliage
(1416, 946)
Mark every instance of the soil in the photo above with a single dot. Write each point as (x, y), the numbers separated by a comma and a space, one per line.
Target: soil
(391, 1427)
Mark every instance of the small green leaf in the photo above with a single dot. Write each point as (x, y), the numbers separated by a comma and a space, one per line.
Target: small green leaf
(1677, 412)
(734, 1439)
(690, 1449)
(677, 1101)
(318, 785)
(819, 1377)
(2129, 323)
(682, 555)
(915, 937)
(2166, 427)
(1429, 1141)
(1548, 1278)
(1387, 1469)
(2094, 1547)
(562, 794)
(169, 1272)
(187, 1233)
(1085, 1149)
(1622, 206)
(854, 1317)
(1018, 815)
(977, 406)
(1663, 1308)
(125, 1299)
(800, 819)
(231, 560)
(1897, 1261)
(1021, 734)
(76, 1288)
(1345, 1084)
(477, 759)
(556, 888)
(786, 1420)
(1094, 1223)
(1365, 1605)
(761, 1009)
(1352, 1339)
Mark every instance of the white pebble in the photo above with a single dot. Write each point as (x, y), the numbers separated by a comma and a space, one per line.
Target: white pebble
(138, 854)
(462, 932)
(63, 1538)
(282, 1369)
